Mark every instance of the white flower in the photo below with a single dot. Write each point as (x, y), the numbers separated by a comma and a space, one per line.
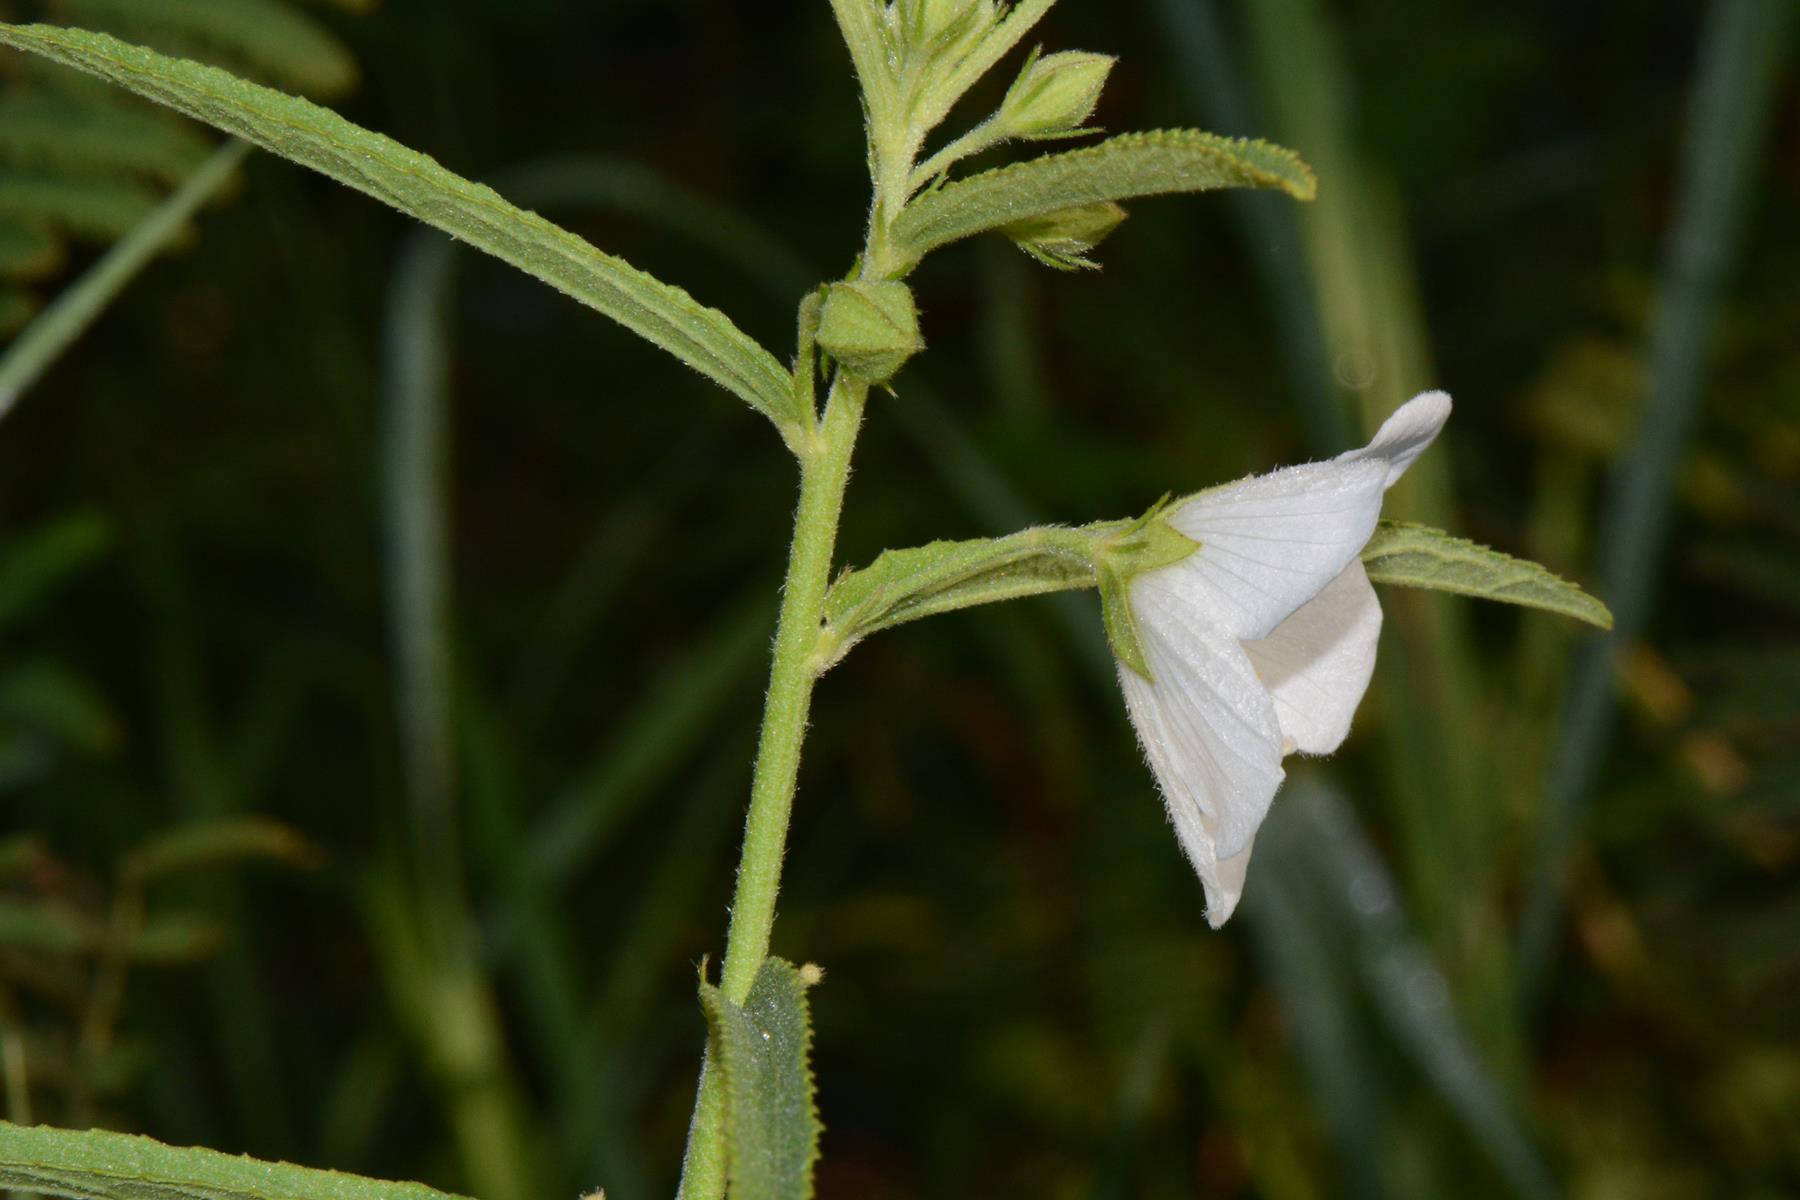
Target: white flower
(1262, 641)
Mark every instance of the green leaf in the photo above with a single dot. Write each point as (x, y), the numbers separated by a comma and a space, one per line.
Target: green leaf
(905, 585)
(761, 1049)
(114, 1166)
(315, 137)
(1419, 556)
(1134, 164)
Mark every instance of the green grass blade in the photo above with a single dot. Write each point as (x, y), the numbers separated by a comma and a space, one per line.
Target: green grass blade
(1161, 162)
(315, 137)
(1409, 990)
(1422, 557)
(1740, 71)
(762, 1050)
(114, 1166)
(69, 316)
(1269, 230)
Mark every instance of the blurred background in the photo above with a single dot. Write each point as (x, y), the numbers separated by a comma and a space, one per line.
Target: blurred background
(382, 635)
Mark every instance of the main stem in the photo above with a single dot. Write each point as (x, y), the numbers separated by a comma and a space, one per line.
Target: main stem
(824, 473)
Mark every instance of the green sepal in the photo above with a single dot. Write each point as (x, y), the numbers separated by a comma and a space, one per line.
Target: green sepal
(870, 327)
(1147, 544)
(1423, 557)
(761, 1049)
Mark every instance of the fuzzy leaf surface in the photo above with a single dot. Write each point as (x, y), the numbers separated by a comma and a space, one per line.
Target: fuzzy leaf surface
(115, 1166)
(1161, 162)
(417, 185)
(1419, 556)
(762, 1048)
(905, 585)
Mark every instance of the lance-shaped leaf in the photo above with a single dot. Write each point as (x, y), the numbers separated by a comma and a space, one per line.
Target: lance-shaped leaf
(905, 585)
(1134, 164)
(1419, 556)
(762, 1049)
(315, 137)
(114, 1166)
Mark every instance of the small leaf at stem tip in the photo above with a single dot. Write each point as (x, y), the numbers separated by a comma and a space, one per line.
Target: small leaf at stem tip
(1419, 556)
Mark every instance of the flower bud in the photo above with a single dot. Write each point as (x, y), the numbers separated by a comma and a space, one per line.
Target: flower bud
(1062, 239)
(1055, 94)
(870, 327)
(929, 20)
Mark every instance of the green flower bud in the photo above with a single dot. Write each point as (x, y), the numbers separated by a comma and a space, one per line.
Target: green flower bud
(1055, 94)
(1062, 239)
(929, 20)
(870, 328)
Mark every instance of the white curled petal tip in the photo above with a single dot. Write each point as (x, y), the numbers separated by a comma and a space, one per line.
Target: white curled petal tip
(1317, 664)
(1405, 434)
(1208, 729)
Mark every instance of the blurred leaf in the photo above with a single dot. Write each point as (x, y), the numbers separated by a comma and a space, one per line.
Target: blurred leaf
(1134, 164)
(94, 209)
(34, 566)
(50, 699)
(26, 251)
(761, 1050)
(216, 844)
(1419, 556)
(272, 40)
(55, 131)
(16, 309)
(296, 129)
(113, 1166)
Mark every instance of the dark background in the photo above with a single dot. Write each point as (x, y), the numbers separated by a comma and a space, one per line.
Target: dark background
(1022, 996)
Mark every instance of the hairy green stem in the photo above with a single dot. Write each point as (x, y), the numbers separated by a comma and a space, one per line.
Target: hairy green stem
(798, 660)
(45, 339)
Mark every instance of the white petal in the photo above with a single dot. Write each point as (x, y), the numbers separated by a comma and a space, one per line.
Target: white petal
(1317, 663)
(1270, 543)
(1405, 434)
(1209, 729)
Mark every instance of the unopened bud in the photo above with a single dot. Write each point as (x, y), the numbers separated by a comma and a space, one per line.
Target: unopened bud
(1055, 94)
(870, 327)
(1063, 239)
(931, 19)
